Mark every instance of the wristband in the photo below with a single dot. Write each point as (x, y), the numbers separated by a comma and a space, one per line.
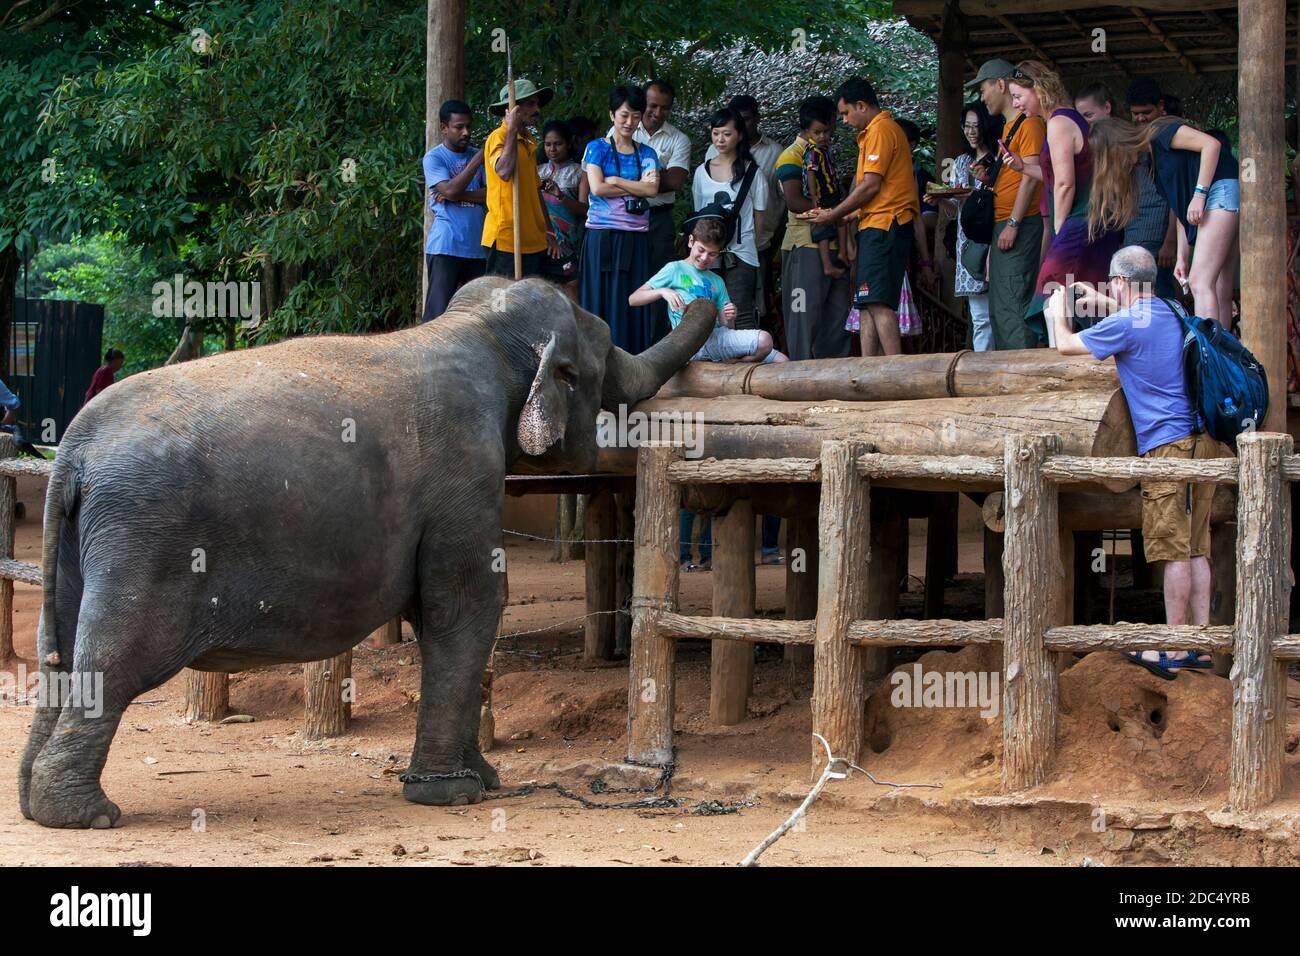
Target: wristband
(1202, 190)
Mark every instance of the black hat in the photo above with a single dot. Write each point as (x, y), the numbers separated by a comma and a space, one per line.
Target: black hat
(719, 209)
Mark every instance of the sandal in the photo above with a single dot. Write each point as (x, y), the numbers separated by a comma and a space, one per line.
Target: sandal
(1165, 667)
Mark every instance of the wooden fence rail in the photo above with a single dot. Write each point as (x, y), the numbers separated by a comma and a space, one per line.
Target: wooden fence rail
(1030, 631)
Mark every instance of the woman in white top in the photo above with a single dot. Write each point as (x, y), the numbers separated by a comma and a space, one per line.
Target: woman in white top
(726, 174)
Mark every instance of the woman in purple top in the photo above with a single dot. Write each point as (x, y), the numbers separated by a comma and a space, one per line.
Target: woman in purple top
(1065, 169)
(622, 175)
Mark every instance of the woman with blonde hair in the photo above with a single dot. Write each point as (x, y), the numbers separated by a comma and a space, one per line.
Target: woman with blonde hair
(1065, 168)
(1197, 176)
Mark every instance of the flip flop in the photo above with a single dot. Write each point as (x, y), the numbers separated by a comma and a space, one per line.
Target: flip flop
(1164, 668)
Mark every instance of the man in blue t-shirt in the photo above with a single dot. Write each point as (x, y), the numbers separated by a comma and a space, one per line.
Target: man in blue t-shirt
(457, 192)
(1145, 336)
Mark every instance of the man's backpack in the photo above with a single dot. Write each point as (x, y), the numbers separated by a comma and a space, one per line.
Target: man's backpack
(977, 210)
(1225, 383)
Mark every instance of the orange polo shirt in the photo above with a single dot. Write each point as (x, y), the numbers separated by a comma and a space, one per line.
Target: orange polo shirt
(883, 150)
(498, 224)
(1028, 142)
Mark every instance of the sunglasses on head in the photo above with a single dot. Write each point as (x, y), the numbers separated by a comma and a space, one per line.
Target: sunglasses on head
(1020, 75)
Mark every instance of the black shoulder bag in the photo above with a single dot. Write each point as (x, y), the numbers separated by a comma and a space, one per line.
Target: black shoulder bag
(732, 221)
(977, 210)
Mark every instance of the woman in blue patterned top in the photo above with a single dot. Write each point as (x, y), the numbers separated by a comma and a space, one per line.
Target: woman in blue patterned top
(622, 175)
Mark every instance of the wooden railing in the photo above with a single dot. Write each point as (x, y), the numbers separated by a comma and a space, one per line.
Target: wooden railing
(1031, 471)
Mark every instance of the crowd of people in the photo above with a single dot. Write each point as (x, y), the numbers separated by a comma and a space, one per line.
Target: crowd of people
(1071, 225)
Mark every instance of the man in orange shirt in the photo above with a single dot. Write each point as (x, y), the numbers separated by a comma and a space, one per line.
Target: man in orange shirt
(1017, 224)
(509, 152)
(889, 216)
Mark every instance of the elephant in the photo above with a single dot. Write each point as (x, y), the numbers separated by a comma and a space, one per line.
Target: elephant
(278, 504)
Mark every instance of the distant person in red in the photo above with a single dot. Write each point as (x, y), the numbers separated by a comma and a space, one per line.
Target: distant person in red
(103, 377)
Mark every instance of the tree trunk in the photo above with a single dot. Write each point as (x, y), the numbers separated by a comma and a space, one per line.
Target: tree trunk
(9, 263)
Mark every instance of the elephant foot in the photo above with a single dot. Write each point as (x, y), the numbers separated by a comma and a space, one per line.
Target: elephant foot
(95, 812)
(444, 792)
(476, 762)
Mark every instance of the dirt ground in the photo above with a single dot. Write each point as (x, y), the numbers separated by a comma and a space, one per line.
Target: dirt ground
(1140, 774)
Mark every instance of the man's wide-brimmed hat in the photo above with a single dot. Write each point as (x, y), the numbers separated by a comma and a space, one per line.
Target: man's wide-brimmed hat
(523, 89)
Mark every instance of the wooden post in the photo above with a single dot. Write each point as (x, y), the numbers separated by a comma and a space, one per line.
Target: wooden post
(600, 523)
(650, 696)
(731, 670)
(387, 634)
(1223, 583)
(8, 499)
(207, 696)
(1031, 564)
(940, 549)
(886, 566)
(839, 668)
(329, 696)
(949, 143)
(624, 570)
(1258, 678)
(1261, 107)
(800, 590)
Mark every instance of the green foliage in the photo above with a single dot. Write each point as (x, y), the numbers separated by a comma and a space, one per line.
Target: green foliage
(104, 269)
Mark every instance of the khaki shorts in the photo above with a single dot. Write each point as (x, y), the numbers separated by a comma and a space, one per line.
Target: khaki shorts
(1176, 515)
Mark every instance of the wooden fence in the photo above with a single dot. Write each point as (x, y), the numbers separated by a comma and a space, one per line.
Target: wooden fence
(1031, 471)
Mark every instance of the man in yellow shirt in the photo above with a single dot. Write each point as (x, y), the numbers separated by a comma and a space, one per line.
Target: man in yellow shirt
(511, 151)
(889, 216)
(1017, 226)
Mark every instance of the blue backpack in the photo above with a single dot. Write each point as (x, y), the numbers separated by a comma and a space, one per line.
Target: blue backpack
(1225, 383)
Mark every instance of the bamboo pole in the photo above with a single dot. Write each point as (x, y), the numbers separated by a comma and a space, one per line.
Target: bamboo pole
(731, 669)
(1031, 563)
(650, 691)
(839, 669)
(1258, 678)
(600, 525)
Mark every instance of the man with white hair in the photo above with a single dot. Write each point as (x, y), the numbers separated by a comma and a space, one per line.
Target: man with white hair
(1145, 335)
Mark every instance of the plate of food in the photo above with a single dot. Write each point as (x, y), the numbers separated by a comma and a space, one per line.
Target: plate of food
(809, 214)
(938, 189)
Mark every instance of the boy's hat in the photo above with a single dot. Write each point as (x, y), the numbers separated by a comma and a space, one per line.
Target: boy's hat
(718, 209)
(523, 89)
(998, 69)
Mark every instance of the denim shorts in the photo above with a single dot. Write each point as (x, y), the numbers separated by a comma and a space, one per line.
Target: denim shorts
(1224, 194)
(726, 345)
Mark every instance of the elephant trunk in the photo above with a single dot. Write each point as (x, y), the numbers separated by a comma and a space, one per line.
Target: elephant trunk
(633, 378)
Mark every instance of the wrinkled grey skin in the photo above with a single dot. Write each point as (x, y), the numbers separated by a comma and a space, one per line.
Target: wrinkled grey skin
(311, 541)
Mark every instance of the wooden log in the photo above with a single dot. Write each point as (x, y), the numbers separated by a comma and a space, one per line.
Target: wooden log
(930, 633)
(1261, 96)
(329, 697)
(839, 677)
(990, 658)
(940, 550)
(8, 500)
(949, 141)
(651, 662)
(1091, 422)
(1067, 468)
(1104, 511)
(600, 528)
(966, 469)
(20, 467)
(896, 377)
(1121, 636)
(886, 567)
(24, 571)
(731, 668)
(207, 696)
(1030, 559)
(1258, 679)
(932, 9)
(1287, 647)
(800, 591)
(387, 634)
(713, 471)
(624, 571)
(444, 79)
(757, 630)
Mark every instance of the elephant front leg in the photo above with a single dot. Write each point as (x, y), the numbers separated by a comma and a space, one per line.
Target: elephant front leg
(446, 766)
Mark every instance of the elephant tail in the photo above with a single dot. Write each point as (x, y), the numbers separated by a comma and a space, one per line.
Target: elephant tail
(62, 482)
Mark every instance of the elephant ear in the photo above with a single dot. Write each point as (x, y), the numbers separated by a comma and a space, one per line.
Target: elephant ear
(541, 423)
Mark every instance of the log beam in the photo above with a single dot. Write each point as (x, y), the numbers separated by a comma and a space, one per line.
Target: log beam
(600, 525)
(731, 667)
(800, 590)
